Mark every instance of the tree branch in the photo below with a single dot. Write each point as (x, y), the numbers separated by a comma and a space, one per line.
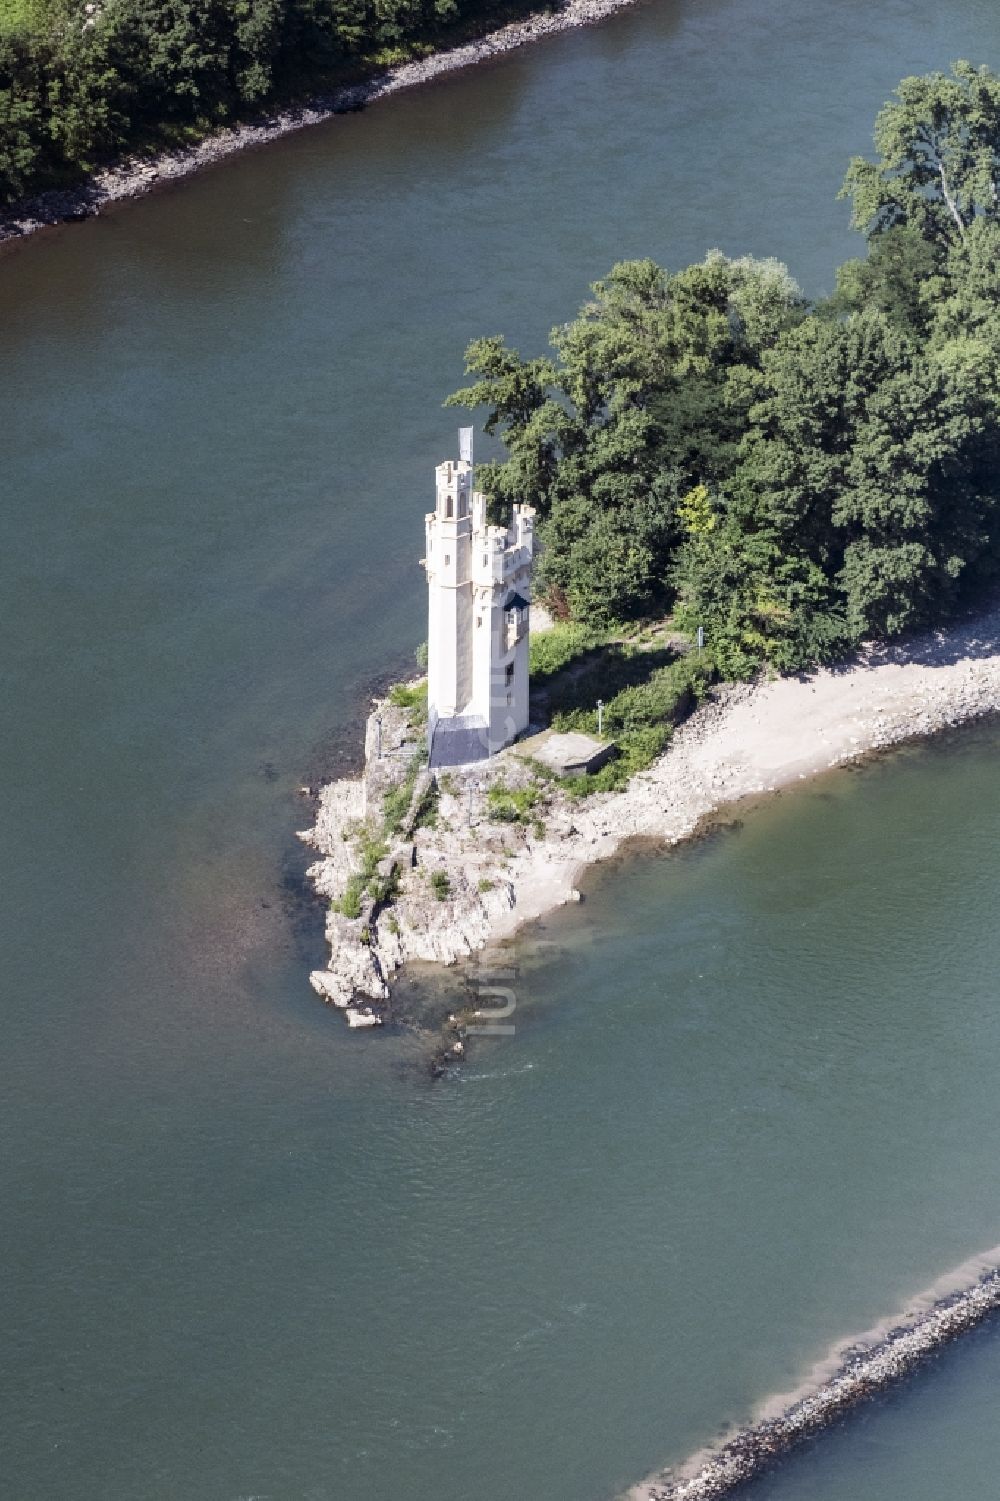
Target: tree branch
(953, 207)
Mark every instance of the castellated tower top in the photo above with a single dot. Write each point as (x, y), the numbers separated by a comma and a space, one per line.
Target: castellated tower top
(479, 593)
(454, 490)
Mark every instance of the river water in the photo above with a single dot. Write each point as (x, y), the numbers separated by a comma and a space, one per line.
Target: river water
(750, 1101)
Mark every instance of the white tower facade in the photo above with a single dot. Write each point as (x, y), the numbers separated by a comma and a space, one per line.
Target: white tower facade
(479, 596)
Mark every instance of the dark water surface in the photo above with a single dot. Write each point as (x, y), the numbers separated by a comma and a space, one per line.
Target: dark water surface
(751, 1099)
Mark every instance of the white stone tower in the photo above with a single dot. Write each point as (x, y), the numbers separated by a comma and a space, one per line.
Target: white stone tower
(479, 588)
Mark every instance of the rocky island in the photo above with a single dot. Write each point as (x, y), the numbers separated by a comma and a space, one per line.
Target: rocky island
(421, 864)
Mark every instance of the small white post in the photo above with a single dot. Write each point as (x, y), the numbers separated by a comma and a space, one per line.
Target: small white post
(600, 716)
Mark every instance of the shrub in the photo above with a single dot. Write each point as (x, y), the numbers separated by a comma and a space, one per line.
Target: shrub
(511, 804)
(373, 851)
(426, 812)
(349, 905)
(641, 717)
(553, 650)
(441, 885)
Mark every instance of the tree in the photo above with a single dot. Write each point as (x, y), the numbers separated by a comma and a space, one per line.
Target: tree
(939, 158)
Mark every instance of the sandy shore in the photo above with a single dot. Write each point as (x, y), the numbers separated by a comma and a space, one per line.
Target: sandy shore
(853, 1372)
(757, 740)
(133, 177)
(749, 740)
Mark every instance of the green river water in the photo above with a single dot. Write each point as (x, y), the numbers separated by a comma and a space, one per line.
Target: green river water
(750, 1103)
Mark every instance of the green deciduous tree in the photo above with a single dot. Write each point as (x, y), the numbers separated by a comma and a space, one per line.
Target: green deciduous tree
(939, 157)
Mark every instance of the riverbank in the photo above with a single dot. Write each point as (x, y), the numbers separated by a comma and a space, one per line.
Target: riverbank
(480, 851)
(138, 175)
(854, 1372)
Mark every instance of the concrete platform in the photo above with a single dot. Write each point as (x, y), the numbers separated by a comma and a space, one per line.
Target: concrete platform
(568, 754)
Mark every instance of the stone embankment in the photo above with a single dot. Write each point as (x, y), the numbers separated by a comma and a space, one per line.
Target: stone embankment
(463, 867)
(864, 1370)
(131, 178)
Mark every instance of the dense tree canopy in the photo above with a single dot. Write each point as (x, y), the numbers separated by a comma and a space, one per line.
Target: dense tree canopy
(795, 479)
(655, 366)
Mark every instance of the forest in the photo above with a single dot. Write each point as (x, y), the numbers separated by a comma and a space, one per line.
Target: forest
(81, 83)
(794, 477)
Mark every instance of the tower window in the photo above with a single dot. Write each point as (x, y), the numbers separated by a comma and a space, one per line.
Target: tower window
(447, 559)
(448, 507)
(479, 621)
(509, 675)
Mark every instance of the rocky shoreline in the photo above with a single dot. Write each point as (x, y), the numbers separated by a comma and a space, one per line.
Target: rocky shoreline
(480, 851)
(862, 1370)
(136, 176)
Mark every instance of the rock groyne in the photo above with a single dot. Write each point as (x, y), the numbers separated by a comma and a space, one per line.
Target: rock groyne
(860, 1371)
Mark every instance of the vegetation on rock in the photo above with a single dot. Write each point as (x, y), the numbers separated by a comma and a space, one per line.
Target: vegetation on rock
(413, 698)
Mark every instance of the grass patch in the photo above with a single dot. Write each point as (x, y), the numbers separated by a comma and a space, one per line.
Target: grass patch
(396, 802)
(511, 804)
(554, 650)
(607, 675)
(413, 698)
(441, 885)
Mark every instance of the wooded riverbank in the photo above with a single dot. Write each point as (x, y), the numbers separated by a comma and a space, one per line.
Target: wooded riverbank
(135, 176)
